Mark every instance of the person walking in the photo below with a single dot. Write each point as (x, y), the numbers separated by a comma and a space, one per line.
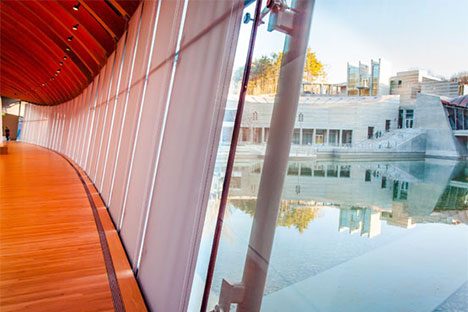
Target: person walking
(7, 133)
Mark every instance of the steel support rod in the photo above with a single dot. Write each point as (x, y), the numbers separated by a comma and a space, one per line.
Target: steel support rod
(276, 157)
(231, 158)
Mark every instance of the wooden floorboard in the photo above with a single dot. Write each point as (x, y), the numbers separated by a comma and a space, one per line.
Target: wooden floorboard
(51, 257)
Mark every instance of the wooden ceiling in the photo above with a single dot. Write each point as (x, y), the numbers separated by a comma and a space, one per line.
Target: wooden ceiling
(51, 50)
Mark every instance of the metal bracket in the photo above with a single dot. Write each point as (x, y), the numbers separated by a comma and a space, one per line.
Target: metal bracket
(230, 293)
(281, 17)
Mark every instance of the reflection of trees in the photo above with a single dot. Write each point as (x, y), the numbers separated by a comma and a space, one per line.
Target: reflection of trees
(292, 213)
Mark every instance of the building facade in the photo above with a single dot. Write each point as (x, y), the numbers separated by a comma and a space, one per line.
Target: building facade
(363, 80)
(321, 120)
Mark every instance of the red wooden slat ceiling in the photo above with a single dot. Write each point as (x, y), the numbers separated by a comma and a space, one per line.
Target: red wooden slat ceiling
(43, 59)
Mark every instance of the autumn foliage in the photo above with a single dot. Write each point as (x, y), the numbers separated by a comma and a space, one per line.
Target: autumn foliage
(265, 72)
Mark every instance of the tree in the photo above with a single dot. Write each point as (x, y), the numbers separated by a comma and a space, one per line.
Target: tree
(265, 71)
(461, 77)
(313, 68)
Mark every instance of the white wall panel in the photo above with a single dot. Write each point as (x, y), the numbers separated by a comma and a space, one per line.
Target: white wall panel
(94, 116)
(153, 111)
(108, 128)
(120, 113)
(146, 131)
(186, 160)
(104, 119)
(132, 116)
(101, 106)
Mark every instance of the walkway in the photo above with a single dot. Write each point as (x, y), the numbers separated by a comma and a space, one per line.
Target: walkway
(52, 256)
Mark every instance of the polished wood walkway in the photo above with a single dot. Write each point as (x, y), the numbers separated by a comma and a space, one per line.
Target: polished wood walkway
(51, 254)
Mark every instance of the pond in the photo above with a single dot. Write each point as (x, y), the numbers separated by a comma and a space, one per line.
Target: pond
(351, 236)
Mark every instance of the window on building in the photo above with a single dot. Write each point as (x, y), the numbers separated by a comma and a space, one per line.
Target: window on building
(254, 116)
(400, 118)
(370, 132)
(257, 135)
(257, 168)
(409, 118)
(307, 136)
(347, 137)
(400, 190)
(345, 171)
(301, 117)
(297, 137)
(319, 171)
(465, 119)
(332, 171)
(266, 133)
(387, 125)
(384, 182)
(320, 136)
(245, 137)
(293, 169)
(306, 170)
(368, 175)
(460, 118)
(334, 137)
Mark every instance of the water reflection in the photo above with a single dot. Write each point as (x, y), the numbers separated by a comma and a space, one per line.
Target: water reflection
(401, 193)
(340, 218)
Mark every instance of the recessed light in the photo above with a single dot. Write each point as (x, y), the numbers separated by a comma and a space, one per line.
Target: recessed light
(55, 74)
(61, 63)
(75, 27)
(65, 57)
(70, 38)
(68, 49)
(76, 7)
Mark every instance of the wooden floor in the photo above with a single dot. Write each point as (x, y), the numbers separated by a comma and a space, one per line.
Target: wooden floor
(51, 255)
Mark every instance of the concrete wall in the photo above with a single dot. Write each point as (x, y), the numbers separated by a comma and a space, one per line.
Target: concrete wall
(440, 141)
(336, 113)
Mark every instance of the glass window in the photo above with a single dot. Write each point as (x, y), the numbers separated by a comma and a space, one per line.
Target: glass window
(245, 134)
(267, 132)
(307, 136)
(257, 135)
(320, 136)
(296, 137)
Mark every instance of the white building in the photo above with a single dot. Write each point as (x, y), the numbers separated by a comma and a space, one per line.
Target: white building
(321, 120)
(408, 84)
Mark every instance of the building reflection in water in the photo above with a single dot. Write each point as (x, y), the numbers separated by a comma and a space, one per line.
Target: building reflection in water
(400, 193)
(335, 215)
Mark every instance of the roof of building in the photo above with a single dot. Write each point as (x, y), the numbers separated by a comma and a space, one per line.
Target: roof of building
(461, 101)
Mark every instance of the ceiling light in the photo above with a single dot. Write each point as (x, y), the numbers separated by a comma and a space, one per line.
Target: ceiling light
(68, 49)
(65, 57)
(70, 38)
(43, 84)
(75, 27)
(76, 7)
(61, 63)
(55, 74)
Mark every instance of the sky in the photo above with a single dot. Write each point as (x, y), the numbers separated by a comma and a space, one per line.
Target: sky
(407, 34)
